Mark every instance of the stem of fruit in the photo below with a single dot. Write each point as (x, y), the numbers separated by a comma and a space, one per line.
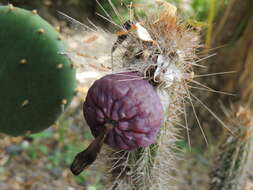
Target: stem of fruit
(85, 158)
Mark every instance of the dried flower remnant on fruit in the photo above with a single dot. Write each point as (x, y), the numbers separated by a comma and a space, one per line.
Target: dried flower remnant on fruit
(124, 113)
(88, 156)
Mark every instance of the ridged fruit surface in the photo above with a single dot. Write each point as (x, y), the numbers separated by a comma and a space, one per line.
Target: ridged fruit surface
(36, 79)
(130, 104)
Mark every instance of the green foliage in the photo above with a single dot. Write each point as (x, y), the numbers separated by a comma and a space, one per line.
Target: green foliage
(241, 28)
(37, 81)
(195, 9)
(121, 5)
(60, 153)
(200, 8)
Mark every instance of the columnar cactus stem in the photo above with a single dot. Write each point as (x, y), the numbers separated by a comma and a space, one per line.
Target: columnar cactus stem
(163, 50)
(233, 156)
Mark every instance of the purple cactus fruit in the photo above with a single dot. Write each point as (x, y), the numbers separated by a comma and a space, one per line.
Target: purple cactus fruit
(122, 110)
(130, 105)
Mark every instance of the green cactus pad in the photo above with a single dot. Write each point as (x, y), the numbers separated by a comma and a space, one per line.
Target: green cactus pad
(36, 80)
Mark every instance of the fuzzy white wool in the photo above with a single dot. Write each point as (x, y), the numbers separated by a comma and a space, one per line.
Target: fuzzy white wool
(167, 72)
(164, 98)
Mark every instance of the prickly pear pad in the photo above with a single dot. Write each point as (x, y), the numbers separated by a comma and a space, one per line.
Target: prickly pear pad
(36, 80)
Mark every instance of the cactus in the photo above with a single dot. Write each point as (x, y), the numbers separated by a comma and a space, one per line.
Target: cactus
(234, 153)
(162, 50)
(158, 49)
(37, 81)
